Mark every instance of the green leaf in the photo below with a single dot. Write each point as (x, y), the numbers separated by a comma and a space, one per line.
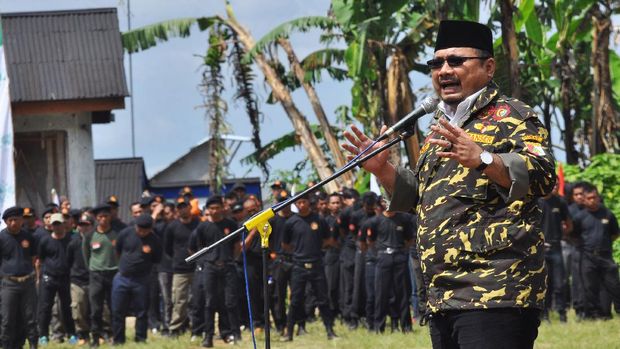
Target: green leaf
(148, 36)
(534, 28)
(278, 145)
(283, 30)
(614, 68)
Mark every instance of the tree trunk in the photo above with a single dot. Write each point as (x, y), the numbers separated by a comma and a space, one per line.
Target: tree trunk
(400, 102)
(604, 118)
(281, 93)
(330, 139)
(509, 42)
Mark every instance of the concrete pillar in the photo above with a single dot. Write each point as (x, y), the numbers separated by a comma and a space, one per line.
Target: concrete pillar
(80, 163)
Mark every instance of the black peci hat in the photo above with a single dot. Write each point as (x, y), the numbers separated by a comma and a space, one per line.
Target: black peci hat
(14, 211)
(144, 221)
(104, 208)
(464, 34)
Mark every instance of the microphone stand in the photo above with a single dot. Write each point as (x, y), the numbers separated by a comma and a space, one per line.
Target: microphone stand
(260, 221)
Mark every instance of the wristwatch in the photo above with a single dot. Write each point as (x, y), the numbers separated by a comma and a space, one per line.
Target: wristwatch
(486, 159)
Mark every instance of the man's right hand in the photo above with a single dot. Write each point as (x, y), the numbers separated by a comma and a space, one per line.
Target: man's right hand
(378, 165)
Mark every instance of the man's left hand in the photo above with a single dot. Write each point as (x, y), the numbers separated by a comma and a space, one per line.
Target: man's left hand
(457, 144)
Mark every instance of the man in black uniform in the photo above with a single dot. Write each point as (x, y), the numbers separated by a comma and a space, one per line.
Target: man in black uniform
(138, 250)
(332, 254)
(282, 263)
(390, 233)
(52, 252)
(364, 290)
(571, 251)
(305, 234)
(80, 307)
(46, 228)
(30, 220)
(18, 294)
(352, 222)
(117, 223)
(219, 269)
(164, 269)
(348, 234)
(176, 246)
(253, 253)
(555, 217)
(599, 228)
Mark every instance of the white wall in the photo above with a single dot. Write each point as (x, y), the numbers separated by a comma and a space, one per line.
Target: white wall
(80, 162)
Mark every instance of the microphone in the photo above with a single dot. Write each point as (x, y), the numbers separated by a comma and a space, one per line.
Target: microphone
(429, 105)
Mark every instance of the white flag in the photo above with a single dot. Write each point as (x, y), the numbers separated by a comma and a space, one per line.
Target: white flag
(7, 167)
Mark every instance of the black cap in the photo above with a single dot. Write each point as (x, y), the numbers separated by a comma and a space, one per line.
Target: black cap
(146, 201)
(237, 207)
(214, 200)
(86, 219)
(464, 34)
(144, 221)
(49, 209)
(282, 196)
(103, 208)
(75, 213)
(181, 202)
(369, 198)
(112, 201)
(14, 211)
(350, 193)
(278, 184)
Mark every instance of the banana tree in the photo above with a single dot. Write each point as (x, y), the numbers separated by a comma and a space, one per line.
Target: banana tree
(143, 38)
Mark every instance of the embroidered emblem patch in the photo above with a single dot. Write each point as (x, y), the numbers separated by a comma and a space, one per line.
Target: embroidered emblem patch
(535, 149)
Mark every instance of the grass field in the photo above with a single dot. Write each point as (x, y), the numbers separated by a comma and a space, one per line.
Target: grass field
(572, 335)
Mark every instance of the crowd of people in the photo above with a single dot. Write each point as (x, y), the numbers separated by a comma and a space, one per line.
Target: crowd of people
(80, 272)
(582, 274)
(342, 253)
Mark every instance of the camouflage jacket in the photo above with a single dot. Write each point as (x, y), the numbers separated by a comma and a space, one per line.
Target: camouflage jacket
(480, 245)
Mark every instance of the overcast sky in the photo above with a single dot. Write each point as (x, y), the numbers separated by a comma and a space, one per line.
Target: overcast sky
(168, 117)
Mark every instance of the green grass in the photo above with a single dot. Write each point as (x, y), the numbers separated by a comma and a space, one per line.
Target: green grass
(577, 335)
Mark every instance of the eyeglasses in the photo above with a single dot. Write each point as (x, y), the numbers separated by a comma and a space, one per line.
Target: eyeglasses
(453, 61)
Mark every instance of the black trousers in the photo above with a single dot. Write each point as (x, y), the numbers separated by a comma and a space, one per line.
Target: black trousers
(555, 280)
(100, 294)
(19, 300)
(359, 286)
(255, 281)
(197, 309)
(282, 268)
(369, 288)
(598, 271)
(130, 292)
(49, 287)
(391, 278)
(332, 274)
(347, 273)
(221, 275)
(506, 328)
(302, 274)
(154, 313)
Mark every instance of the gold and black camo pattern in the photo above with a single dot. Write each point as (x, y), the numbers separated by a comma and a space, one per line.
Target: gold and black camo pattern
(476, 249)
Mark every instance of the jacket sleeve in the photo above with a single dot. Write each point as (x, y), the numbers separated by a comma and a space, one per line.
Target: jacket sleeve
(405, 195)
(527, 156)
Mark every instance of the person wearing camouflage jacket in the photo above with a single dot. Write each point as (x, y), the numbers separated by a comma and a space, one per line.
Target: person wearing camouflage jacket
(481, 169)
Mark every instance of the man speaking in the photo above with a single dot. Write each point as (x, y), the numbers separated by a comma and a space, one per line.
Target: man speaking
(483, 165)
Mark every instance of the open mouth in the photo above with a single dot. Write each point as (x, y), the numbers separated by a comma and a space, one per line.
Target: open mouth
(449, 84)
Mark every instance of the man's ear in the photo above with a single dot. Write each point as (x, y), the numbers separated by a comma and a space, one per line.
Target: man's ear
(489, 66)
